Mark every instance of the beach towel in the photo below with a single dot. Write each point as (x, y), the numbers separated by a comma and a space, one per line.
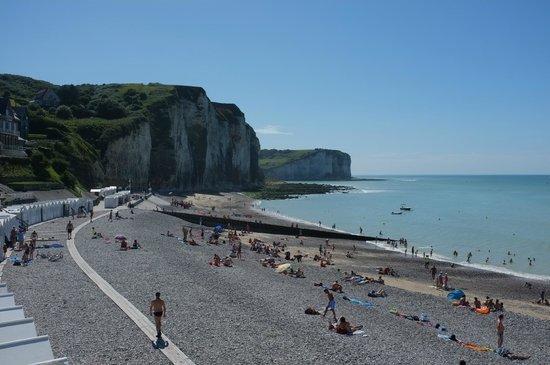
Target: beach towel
(360, 302)
(455, 295)
(483, 310)
(475, 347)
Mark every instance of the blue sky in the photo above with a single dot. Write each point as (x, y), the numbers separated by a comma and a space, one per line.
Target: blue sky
(405, 87)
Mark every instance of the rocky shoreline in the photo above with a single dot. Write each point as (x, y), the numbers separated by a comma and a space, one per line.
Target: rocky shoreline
(289, 190)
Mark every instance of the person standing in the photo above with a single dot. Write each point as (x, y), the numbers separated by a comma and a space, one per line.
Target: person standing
(111, 216)
(184, 231)
(13, 237)
(331, 304)
(70, 230)
(91, 215)
(500, 331)
(158, 309)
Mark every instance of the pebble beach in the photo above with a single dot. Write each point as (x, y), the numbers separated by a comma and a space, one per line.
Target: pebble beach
(249, 314)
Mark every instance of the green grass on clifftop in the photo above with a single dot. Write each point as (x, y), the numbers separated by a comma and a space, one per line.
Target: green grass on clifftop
(274, 158)
(69, 141)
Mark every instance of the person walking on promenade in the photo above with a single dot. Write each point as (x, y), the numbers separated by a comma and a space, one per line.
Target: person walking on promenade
(158, 309)
(70, 230)
(91, 215)
(500, 331)
(111, 216)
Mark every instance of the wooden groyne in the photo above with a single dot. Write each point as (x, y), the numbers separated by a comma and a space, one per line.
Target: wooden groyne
(261, 227)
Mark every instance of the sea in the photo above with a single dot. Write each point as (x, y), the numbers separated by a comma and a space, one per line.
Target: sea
(504, 221)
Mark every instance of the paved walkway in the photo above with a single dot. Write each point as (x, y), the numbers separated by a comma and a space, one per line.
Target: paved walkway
(173, 353)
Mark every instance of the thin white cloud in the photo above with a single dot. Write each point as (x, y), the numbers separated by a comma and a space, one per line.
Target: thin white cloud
(272, 129)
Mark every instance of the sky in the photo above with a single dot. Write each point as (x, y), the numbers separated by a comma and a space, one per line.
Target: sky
(404, 87)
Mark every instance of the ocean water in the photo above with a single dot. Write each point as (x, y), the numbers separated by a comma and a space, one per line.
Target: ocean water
(485, 215)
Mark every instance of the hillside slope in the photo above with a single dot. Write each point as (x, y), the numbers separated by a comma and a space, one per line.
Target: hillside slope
(164, 136)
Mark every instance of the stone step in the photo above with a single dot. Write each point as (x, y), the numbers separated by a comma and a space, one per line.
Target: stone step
(17, 329)
(26, 351)
(7, 300)
(11, 313)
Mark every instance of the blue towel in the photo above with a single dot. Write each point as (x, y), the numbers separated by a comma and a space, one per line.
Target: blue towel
(361, 302)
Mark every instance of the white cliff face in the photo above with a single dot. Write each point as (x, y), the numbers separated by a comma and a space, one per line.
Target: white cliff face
(128, 158)
(320, 165)
(193, 145)
(214, 148)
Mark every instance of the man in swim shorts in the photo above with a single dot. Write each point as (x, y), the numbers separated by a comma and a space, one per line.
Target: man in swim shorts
(500, 331)
(158, 309)
(331, 304)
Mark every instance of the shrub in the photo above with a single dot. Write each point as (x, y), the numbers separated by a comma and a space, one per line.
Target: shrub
(110, 109)
(68, 179)
(39, 164)
(79, 111)
(68, 94)
(60, 166)
(64, 112)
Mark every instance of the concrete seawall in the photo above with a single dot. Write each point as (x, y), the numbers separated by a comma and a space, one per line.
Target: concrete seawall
(268, 228)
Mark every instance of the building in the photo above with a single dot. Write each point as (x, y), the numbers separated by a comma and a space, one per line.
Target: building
(47, 98)
(11, 142)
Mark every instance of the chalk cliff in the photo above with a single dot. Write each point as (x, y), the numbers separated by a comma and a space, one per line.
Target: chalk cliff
(172, 138)
(318, 164)
(189, 144)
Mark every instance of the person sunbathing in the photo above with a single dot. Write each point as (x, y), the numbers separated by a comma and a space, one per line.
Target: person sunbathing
(216, 260)
(227, 261)
(463, 302)
(337, 287)
(477, 303)
(379, 281)
(489, 303)
(299, 273)
(345, 328)
(123, 245)
(377, 294)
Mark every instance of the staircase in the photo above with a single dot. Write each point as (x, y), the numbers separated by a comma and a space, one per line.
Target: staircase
(19, 341)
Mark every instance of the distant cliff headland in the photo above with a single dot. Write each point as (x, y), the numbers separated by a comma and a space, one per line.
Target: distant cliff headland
(164, 136)
(315, 164)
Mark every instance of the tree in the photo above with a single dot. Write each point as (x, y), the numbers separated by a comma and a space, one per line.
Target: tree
(39, 164)
(110, 109)
(68, 94)
(64, 112)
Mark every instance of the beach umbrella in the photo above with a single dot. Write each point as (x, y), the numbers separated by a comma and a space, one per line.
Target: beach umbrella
(455, 295)
(120, 237)
(282, 268)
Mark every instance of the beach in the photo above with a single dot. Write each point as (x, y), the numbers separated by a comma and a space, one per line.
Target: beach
(249, 314)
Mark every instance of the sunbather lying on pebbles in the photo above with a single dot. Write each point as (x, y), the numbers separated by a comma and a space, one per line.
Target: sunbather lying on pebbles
(337, 287)
(377, 293)
(216, 260)
(227, 261)
(344, 327)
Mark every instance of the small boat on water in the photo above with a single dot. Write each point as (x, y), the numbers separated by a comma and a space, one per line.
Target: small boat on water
(396, 213)
(405, 208)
